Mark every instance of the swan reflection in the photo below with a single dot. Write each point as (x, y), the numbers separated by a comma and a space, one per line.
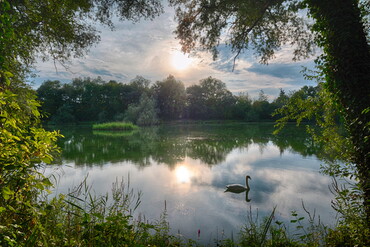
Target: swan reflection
(238, 188)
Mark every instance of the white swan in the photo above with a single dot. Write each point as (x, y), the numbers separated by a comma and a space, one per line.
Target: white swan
(238, 188)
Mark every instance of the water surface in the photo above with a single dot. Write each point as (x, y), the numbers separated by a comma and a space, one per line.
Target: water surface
(187, 168)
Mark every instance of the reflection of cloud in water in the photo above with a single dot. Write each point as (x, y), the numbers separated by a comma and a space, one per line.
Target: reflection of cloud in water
(194, 191)
(282, 180)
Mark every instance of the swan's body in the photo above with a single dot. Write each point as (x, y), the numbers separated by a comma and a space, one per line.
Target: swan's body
(238, 188)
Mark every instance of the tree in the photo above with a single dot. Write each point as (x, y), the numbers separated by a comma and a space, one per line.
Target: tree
(243, 108)
(262, 108)
(171, 97)
(196, 106)
(209, 100)
(50, 93)
(144, 113)
(217, 98)
(140, 83)
(268, 25)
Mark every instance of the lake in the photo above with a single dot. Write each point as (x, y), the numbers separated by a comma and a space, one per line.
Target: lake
(186, 168)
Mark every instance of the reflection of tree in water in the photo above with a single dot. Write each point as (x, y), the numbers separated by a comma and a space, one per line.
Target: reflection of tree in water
(296, 139)
(84, 148)
(210, 152)
(171, 144)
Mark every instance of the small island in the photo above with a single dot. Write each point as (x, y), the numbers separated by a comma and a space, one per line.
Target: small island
(115, 126)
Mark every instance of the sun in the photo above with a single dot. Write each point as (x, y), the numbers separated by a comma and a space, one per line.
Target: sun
(180, 61)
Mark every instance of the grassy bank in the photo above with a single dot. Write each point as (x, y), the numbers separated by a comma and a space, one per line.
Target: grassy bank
(115, 126)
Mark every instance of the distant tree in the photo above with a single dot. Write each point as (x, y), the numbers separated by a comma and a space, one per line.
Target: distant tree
(281, 100)
(242, 109)
(278, 103)
(262, 107)
(137, 86)
(210, 100)
(144, 113)
(196, 105)
(171, 97)
(218, 99)
(140, 82)
(51, 95)
(64, 115)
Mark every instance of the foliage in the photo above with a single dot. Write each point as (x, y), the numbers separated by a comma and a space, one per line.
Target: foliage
(170, 96)
(24, 146)
(82, 218)
(346, 65)
(88, 99)
(145, 113)
(61, 29)
(209, 100)
(243, 109)
(272, 232)
(115, 126)
(97, 100)
(314, 105)
(352, 228)
(262, 25)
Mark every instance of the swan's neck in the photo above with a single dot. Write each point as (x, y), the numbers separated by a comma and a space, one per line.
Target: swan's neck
(246, 183)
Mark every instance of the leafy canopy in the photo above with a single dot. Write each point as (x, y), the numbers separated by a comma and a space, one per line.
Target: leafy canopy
(264, 26)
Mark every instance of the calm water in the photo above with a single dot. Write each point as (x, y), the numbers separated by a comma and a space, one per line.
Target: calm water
(189, 167)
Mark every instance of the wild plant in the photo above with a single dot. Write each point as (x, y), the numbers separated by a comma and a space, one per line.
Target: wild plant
(82, 218)
(352, 228)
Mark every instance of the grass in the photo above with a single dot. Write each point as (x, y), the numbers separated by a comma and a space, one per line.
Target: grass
(81, 218)
(115, 126)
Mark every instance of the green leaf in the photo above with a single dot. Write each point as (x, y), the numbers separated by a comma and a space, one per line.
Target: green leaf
(7, 192)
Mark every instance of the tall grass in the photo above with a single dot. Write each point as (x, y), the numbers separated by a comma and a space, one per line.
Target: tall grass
(81, 218)
(126, 126)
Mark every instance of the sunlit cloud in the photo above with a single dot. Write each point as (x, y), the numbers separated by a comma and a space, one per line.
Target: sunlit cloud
(180, 60)
(150, 49)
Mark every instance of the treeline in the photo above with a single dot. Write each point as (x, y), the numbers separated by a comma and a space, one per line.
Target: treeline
(86, 99)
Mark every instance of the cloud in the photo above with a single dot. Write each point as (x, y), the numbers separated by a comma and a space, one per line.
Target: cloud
(145, 49)
(289, 71)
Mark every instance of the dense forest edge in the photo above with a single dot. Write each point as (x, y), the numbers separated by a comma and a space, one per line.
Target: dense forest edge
(31, 31)
(139, 102)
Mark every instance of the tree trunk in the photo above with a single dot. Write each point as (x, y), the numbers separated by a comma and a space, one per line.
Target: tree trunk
(347, 71)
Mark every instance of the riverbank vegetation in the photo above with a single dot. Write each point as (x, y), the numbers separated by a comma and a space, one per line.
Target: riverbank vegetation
(86, 99)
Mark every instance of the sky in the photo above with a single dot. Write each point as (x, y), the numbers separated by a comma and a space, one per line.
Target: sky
(150, 49)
